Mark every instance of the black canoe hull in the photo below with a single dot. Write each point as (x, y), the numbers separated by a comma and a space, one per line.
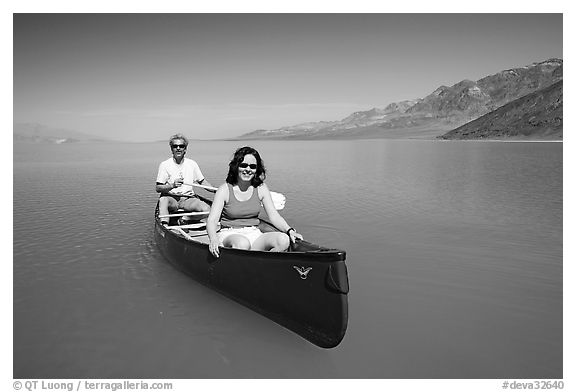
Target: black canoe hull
(314, 305)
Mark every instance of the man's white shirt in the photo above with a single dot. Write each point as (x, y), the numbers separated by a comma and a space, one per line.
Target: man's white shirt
(188, 170)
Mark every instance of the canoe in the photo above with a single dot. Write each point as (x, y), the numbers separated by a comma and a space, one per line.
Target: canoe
(304, 289)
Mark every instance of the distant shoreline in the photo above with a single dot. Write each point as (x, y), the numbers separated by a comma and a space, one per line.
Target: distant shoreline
(295, 140)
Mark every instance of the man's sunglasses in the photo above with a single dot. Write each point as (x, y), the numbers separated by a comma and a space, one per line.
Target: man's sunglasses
(252, 166)
(182, 146)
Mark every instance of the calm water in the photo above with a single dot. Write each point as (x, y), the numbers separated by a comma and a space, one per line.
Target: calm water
(454, 260)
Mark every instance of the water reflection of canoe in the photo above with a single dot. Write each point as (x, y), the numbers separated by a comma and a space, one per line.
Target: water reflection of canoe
(304, 289)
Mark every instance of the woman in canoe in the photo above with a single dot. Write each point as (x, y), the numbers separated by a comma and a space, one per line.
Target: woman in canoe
(237, 204)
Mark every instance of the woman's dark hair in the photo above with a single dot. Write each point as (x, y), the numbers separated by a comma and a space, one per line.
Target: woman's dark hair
(238, 158)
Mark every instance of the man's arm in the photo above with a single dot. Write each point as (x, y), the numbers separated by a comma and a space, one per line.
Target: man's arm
(164, 188)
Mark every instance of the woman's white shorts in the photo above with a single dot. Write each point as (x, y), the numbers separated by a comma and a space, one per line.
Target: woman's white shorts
(250, 232)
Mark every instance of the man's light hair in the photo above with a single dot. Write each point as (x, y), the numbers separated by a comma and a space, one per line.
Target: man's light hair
(178, 136)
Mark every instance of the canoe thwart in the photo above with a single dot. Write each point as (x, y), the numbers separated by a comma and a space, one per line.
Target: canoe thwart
(190, 226)
(197, 215)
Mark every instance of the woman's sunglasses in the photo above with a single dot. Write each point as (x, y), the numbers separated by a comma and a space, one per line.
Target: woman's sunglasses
(182, 146)
(252, 166)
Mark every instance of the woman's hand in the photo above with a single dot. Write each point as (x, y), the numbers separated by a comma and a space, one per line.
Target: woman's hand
(214, 247)
(294, 235)
(220, 198)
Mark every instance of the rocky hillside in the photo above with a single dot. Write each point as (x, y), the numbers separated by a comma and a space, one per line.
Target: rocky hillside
(444, 109)
(537, 115)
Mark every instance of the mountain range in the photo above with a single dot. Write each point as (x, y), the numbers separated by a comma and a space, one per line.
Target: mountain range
(38, 133)
(518, 103)
(524, 102)
(537, 116)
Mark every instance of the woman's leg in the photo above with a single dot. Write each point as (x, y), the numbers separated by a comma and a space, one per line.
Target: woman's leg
(274, 242)
(236, 241)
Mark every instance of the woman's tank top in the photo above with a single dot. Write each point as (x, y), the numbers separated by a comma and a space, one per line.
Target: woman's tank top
(238, 213)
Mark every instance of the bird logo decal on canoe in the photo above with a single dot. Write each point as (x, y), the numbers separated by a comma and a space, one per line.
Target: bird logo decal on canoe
(303, 271)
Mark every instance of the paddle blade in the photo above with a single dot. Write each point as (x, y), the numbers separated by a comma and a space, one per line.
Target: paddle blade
(278, 199)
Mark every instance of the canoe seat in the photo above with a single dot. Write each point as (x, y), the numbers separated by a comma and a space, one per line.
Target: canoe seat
(195, 216)
(194, 235)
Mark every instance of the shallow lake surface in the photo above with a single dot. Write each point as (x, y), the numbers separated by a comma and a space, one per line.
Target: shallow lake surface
(454, 255)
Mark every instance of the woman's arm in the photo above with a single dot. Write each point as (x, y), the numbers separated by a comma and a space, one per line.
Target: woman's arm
(275, 217)
(220, 198)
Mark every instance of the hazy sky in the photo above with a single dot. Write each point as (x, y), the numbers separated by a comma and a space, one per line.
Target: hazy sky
(141, 77)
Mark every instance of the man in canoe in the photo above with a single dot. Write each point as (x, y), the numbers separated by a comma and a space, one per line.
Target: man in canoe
(175, 176)
(237, 204)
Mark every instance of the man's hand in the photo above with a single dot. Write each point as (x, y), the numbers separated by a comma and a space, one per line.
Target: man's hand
(177, 182)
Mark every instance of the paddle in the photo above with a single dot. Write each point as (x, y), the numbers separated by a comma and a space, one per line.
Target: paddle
(278, 199)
